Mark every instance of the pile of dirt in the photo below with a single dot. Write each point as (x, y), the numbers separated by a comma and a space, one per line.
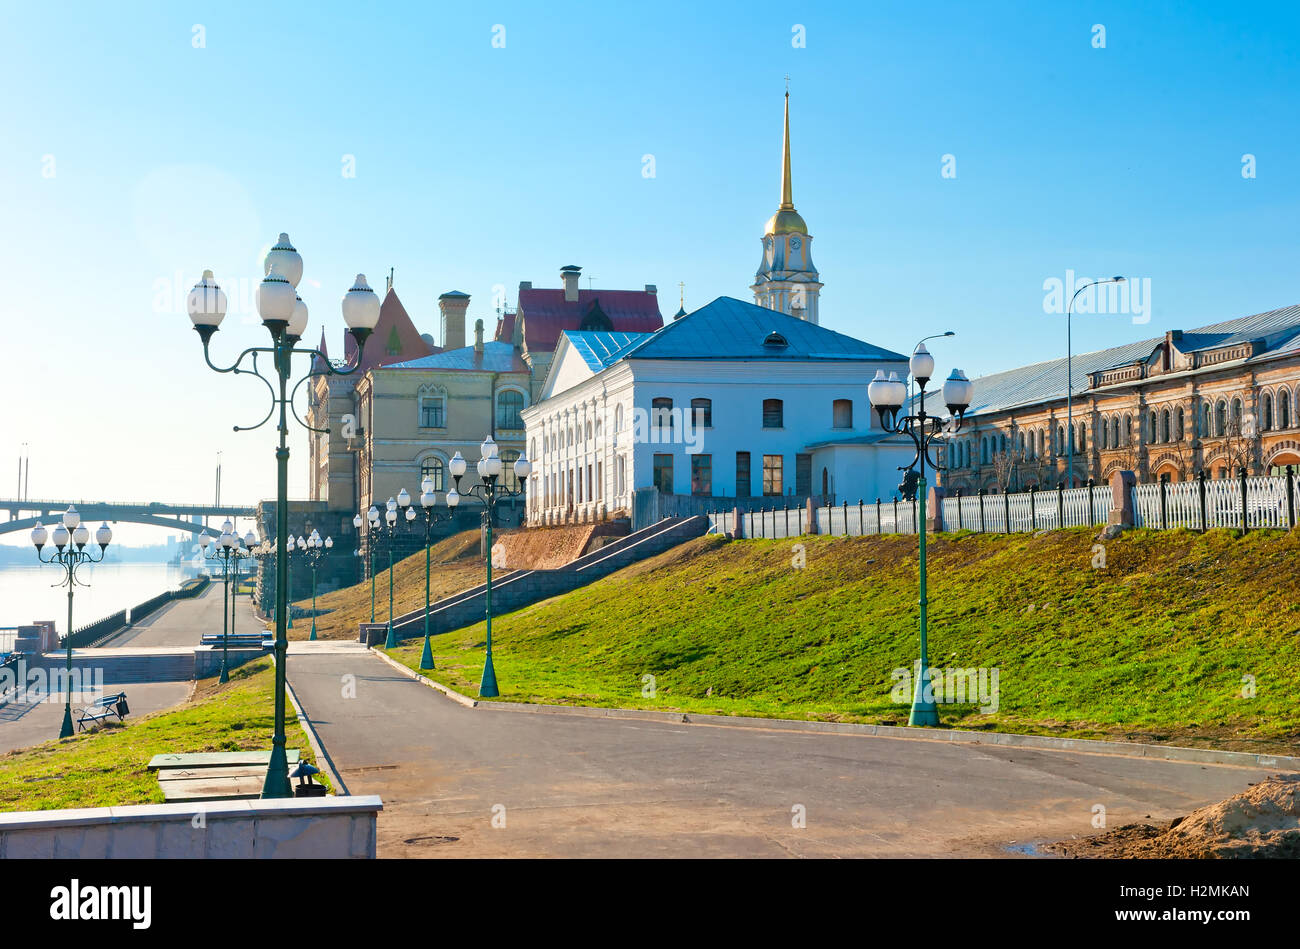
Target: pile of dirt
(1263, 821)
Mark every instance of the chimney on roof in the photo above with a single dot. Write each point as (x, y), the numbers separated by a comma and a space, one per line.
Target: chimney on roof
(651, 288)
(478, 337)
(453, 305)
(525, 285)
(569, 275)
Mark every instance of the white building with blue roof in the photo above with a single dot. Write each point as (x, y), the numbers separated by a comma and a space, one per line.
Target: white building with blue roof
(731, 404)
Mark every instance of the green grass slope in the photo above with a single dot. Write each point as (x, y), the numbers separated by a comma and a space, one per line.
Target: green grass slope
(107, 767)
(1180, 637)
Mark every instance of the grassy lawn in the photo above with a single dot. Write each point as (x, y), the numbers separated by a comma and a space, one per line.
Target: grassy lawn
(1152, 647)
(108, 767)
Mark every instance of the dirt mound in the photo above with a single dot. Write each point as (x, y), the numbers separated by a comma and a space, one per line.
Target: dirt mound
(1263, 821)
(456, 547)
(544, 548)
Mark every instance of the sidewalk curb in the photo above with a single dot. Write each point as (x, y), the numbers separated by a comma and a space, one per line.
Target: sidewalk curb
(340, 789)
(1238, 759)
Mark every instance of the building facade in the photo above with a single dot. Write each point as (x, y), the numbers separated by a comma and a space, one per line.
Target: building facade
(732, 401)
(1219, 398)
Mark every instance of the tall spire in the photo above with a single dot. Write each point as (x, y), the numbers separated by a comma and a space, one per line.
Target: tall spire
(787, 197)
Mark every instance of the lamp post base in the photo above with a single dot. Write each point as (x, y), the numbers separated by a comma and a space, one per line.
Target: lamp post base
(924, 714)
(66, 730)
(426, 657)
(313, 630)
(225, 673)
(488, 687)
(391, 642)
(277, 784)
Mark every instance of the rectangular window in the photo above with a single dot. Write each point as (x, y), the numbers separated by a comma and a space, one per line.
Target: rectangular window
(842, 413)
(772, 466)
(743, 487)
(664, 473)
(773, 413)
(431, 414)
(802, 475)
(702, 413)
(702, 475)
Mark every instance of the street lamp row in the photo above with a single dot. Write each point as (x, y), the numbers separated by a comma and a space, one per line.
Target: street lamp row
(230, 546)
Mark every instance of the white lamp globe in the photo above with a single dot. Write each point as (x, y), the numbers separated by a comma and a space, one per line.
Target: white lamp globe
(453, 498)
(373, 514)
(204, 539)
(410, 514)
(391, 505)
(356, 522)
(287, 257)
(493, 462)
(71, 518)
(403, 498)
(39, 535)
(958, 391)
(897, 391)
(228, 527)
(227, 539)
(428, 499)
(104, 536)
(878, 389)
(250, 539)
(426, 486)
(81, 536)
(489, 447)
(298, 322)
(390, 517)
(60, 536)
(276, 298)
(329, 542)
(457, 465)
(921, 364)
(360, 305)
(207, 302)
(523, 467)
(481, 467)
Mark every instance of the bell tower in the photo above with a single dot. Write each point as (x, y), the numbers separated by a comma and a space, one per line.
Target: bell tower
(787, 280)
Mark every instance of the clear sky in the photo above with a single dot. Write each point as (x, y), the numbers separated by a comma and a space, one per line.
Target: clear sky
(144, 142)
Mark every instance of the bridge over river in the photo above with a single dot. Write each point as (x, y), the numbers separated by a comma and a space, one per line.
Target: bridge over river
(23, 514)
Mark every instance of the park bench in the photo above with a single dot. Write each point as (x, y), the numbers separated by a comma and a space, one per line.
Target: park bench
(102, 708)
(237, 640)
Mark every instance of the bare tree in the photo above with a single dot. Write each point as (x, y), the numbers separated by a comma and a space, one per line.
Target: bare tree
(1005, 463)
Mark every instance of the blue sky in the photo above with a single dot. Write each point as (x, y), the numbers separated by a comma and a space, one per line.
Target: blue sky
(480, 166)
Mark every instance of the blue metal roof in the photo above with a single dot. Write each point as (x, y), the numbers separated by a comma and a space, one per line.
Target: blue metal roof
(1277, 330)
(730, 329)
(496, 357)
(601, 349)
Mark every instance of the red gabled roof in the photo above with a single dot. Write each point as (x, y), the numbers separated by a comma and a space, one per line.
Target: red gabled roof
(394, 331)
(505, 329)
(545, 314)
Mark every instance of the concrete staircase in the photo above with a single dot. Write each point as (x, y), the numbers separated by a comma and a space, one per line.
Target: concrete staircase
(520, 588)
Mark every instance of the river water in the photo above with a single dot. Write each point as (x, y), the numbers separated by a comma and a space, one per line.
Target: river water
(26, 594)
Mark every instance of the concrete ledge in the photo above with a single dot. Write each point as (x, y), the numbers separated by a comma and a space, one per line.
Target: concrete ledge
(1239, 759)
(329, 827)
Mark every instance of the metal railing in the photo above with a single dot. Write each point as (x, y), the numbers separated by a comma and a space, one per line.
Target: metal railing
(1241, 503)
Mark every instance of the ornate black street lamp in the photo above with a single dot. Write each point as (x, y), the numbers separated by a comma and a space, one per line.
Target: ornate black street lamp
(487, 491)
(285, 317)
(70, 540)
(887, 397)
(429, 501)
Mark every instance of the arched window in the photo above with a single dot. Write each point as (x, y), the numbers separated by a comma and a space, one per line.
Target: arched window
(1236, 415)
(773, 413)
(1060, 439)
(1083, 437)
(1164, 425)
(1203, 426)
(1102, 438)
(1268, 412)
(588, 431)
(618, 418)
(433, 407)
(842, 413)
(1180, 431)
(661, 413)
(433, 468)
(1284, 409)
(1221, 418)
(1151, 426)
(1127, 430)
(510, 402)
(702, 412)
(1114, 432)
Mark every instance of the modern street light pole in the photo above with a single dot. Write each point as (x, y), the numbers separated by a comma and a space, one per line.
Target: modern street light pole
(1069, 378)
(285, 317)
(489, 469)
(428, 500)
(887, 397)
(70, 534)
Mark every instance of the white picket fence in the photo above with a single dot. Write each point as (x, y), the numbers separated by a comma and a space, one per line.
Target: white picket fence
(1265, 504)
(1027, 510)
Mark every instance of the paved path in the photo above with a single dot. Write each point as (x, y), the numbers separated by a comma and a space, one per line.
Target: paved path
(571, 785)
(183, 622)
(24, 724)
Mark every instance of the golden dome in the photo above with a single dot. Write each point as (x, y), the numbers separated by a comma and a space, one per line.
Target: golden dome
(785, 221)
